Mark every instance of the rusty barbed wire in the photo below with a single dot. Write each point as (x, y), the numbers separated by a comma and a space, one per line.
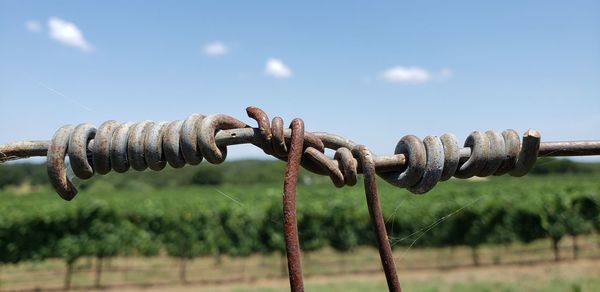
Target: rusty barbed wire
(290, 225)
(383, 243)
(417, 165)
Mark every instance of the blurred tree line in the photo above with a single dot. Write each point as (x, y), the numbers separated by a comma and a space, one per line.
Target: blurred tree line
(242, 172)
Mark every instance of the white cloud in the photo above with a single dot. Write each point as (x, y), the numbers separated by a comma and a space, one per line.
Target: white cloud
(401, 74)
(67, 33)
(33, 26)
(216, 49)
(406, 74)
(277, 69)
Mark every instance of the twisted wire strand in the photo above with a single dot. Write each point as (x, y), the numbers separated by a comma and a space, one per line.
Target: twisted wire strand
(147, 144)
(115, 146)
(435, 159)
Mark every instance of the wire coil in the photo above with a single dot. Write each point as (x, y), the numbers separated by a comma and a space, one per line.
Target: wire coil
(148, 144)
(438, 158)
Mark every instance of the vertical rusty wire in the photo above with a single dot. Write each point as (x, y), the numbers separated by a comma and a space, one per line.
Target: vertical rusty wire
(385, 250)
(290, 227)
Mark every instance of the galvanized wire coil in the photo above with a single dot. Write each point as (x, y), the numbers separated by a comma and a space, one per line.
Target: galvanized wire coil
(147, 144)
(439, 158)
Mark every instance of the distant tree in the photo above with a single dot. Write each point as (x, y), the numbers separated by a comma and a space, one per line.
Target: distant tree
(469, 228)
(107, 241)
(554, 223)
(208, 176)
(526, 224)
(247, 172)
(496, 228)
(133, 240)
(310, 226)
(577, 219)
(499, 229)
(186, 237)
(18, 173)
(589, 209)
(239, 232)
(70, 248)
(343, 233)
(270, 233)
(9, 177)
(549, 165)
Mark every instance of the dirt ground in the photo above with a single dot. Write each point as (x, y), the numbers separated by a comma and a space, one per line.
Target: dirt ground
(519, 275)
(503, 268)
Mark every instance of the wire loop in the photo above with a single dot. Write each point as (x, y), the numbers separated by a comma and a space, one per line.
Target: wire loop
(148, 144)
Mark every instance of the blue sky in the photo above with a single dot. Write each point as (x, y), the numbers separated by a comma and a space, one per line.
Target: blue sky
(370, 72)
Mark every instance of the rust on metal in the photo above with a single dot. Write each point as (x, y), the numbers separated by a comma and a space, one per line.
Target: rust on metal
(263, 126)
(23, 149)
(383, 244)
(290, 227)
(570, 148)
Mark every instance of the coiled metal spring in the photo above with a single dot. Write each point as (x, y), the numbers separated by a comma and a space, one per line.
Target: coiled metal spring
(147, 144)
